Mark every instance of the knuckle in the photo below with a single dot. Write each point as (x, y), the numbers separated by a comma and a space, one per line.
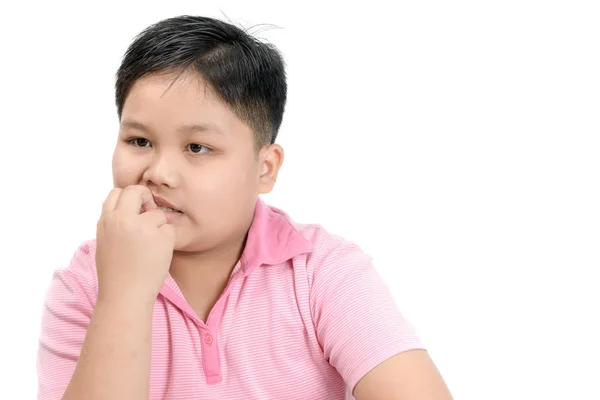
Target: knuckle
(137, 188)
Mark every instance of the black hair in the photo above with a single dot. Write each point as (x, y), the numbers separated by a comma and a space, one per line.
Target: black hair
(245, 73)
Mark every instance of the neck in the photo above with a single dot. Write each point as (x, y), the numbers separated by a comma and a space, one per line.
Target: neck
(214, 263)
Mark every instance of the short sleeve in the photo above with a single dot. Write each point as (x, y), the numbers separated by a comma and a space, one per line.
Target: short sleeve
(356, 319)
(67, 311)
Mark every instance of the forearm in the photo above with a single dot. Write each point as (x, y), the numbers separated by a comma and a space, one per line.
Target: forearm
(115, 358)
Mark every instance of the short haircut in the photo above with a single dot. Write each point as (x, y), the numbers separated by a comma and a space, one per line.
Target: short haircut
(245, 73)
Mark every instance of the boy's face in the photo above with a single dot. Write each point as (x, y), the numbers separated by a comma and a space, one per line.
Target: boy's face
(191, 150)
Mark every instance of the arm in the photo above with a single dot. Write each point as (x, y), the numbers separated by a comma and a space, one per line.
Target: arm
(115, 358)
(99, 349)
(364, 335)
(411, 375)
(133, 255)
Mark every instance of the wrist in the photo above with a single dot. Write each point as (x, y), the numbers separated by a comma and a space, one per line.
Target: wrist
(124, 301)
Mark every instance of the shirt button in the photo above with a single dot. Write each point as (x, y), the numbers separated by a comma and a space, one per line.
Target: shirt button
(208, 339)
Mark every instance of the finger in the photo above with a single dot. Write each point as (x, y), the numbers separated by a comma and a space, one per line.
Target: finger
(111, 200)
(134, 199)
(155, 217)
(151, 205)
(168, 230)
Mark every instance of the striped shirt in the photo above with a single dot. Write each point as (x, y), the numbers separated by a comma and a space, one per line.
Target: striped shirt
(304, 316)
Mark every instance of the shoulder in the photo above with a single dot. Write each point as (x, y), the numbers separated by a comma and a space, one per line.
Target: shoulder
(337, 268)
(82, 267)
(326, 243)
(331, 254)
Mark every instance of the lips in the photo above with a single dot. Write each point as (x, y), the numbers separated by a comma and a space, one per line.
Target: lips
(164, 205)
(167, 209)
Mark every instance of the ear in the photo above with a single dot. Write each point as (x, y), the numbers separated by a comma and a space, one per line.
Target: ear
(271, 159)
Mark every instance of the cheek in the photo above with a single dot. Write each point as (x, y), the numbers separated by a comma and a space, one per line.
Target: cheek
(125, 170)
(227, 184)
(242, 176)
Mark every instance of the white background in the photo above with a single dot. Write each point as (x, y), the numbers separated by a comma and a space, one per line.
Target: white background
(457, 142)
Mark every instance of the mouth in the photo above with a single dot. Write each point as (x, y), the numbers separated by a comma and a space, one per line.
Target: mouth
(165, 205)
(168, 209)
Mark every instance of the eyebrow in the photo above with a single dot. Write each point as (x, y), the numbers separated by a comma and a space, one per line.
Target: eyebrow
(184, 129)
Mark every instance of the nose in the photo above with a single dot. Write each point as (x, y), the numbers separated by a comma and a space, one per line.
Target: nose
(162, 171)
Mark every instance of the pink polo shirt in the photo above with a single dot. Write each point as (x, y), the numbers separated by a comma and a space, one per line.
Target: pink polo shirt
(304, 316)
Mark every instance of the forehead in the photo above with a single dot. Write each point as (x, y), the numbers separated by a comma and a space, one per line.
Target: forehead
(185, 93)
(169, 101)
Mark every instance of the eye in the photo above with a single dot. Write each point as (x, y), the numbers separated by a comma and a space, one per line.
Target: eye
(196, 148)
(139, 142)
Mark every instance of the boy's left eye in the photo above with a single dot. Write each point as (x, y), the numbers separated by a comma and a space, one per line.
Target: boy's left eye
(195, 148)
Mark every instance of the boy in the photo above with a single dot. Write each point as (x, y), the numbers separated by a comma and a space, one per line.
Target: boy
(194, 288)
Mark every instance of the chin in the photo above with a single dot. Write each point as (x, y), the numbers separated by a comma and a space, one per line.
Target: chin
(186, 242)
(183, 245)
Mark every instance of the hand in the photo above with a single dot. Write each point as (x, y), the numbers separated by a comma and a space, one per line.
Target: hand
(134, 245)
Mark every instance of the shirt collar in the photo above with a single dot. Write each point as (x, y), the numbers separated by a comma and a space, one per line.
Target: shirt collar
(272, 239)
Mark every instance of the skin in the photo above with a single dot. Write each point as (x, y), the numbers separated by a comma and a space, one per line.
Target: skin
(213, 175)
(410, 375)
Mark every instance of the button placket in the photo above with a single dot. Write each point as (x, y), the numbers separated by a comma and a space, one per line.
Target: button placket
(209, 340)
